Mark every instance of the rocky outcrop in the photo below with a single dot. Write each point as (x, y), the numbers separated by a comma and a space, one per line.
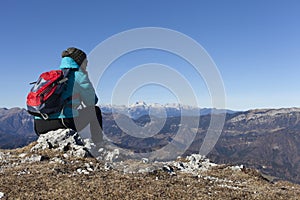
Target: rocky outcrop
(63, 140)
(69, 142)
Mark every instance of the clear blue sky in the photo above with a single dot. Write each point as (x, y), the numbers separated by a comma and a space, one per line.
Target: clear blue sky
(255, 44)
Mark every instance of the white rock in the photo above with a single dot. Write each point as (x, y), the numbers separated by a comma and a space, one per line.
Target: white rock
(236, 168)
(64, 140)
(108, 166)
(89, 169)
(22, 155)
(79, 171)
(33, 158)
(195, 164)
(57, 160)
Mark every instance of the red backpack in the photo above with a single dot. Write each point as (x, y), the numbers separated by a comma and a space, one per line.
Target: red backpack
(45, 97)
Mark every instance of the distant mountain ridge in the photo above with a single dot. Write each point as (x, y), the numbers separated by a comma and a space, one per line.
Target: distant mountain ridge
(141, 108)
(16, 128)
(266, 139)
(16, 125)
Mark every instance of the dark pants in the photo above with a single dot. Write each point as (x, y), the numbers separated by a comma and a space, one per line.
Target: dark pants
(88, 115)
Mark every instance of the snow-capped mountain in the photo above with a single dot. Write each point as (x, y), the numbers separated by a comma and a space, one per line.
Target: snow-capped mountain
(141, 108)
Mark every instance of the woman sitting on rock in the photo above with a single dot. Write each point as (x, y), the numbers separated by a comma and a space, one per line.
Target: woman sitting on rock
(83, 95)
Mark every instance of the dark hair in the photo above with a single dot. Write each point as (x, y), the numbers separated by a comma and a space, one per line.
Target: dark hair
(76, 54)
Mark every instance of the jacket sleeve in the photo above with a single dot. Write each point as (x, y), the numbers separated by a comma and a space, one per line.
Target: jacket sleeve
(86, 90)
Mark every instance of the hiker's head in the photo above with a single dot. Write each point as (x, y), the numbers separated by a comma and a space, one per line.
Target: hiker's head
(76, 54)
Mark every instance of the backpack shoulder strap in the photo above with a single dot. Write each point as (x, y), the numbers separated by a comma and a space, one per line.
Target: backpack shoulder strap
(66, 72)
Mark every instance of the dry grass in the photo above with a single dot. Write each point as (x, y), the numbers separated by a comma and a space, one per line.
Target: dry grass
(46, 180)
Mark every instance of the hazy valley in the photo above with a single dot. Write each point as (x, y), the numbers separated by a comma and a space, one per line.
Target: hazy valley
(265, 139)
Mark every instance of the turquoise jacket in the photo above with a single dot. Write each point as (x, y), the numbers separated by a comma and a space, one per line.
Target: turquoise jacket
(79, 87)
